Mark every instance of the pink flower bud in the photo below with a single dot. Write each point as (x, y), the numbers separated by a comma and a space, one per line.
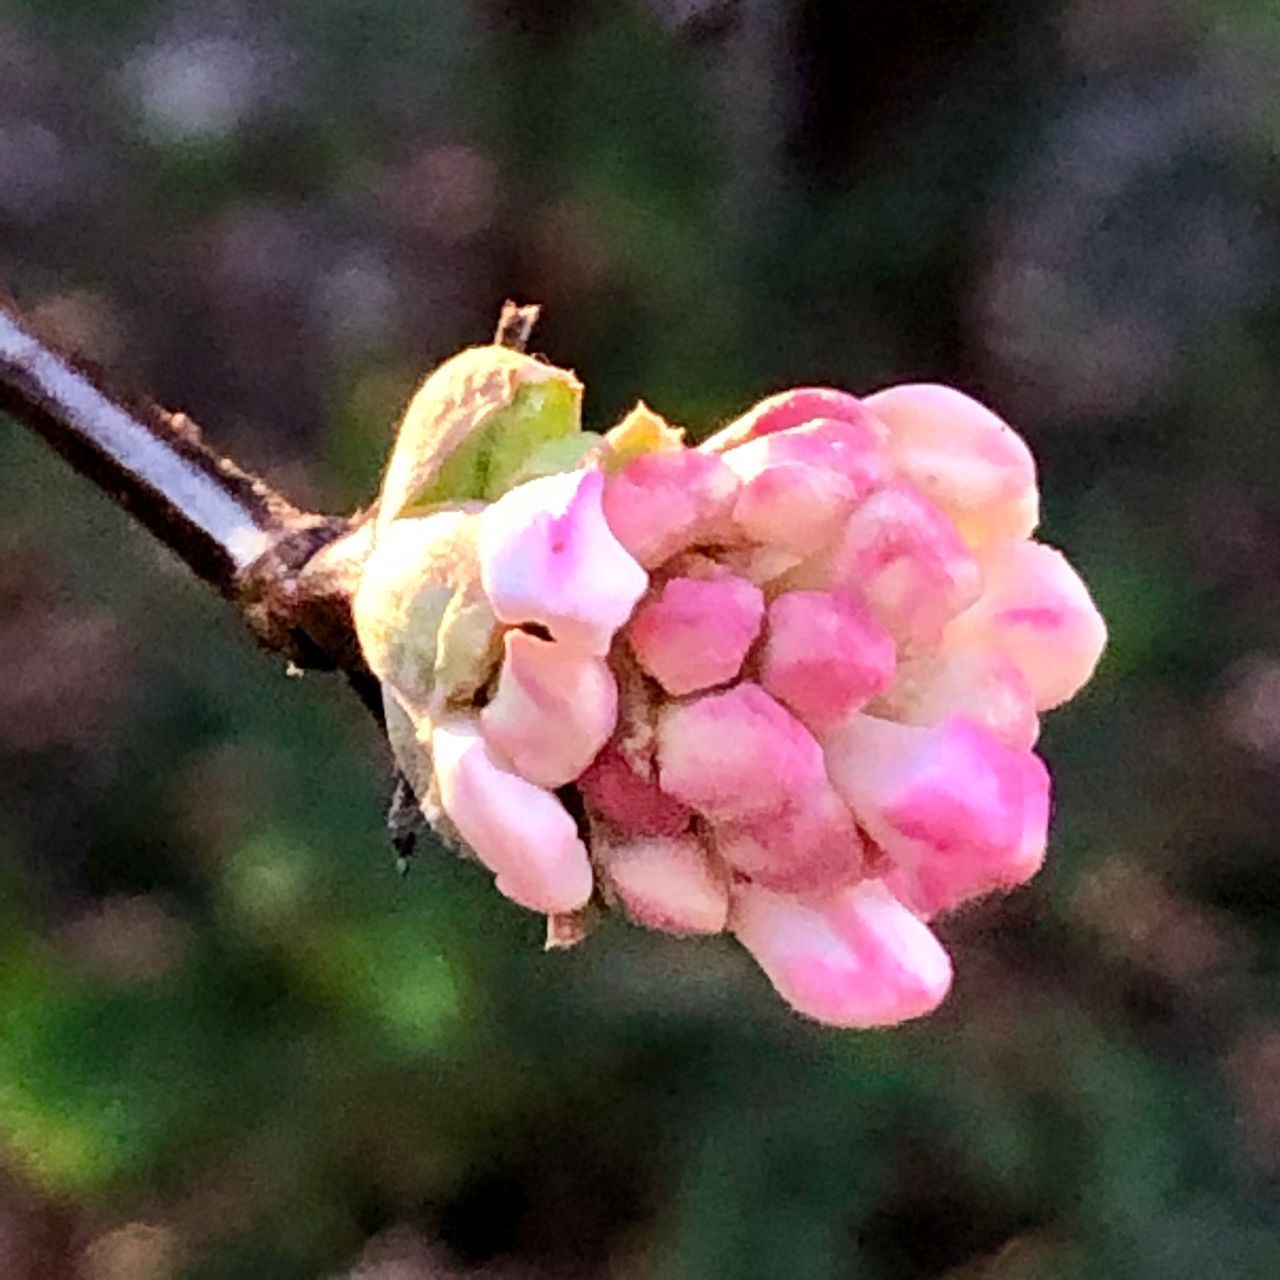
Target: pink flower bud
(855, 958)
(825, 657)
(791, 409)
(799, 485)
(812, 843)
(813, 722)
(522, 833)
(1035, 609)
(553, 710)
(737, 755)
(793, 507)
(636, 805)
(852, 451)
(963, 457)
(905, 559)
(662, 502)
(548, 557)
(982, 684)
(695, 634)
(667, 883)
(957, 814)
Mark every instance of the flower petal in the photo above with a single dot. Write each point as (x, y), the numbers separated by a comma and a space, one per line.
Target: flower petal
(799, 485)
(522, 833)
(1035, 609)
(614, 791)
(548, 557)
(853, 450)
(982, 684)
(736, 756)
(905, 559)
(963, 457)
(812, 844)
(793, 508)
(553, 710)
(855, 958)
(696, 633)
(825, 656)
(662, 502)
(957, 814)
(791, 409)
(667, 883)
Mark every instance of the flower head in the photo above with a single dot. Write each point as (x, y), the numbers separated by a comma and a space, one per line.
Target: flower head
(792, 676)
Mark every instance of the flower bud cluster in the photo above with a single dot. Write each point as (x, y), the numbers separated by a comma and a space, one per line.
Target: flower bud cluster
(792, 677)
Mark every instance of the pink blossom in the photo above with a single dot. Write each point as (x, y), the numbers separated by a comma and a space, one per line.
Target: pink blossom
(957, 814)
(552, 711)
(793, 676)
(620, 795)
(791, 409)
(547, 557)
(854, 958)
(695, 634)
(800, 484)
(811, 842)
(962, 457)
(825, 657)
(662, 502)
(737, 755)
(521, 832)
(1035, 609)
(667, 883)
(983, 684)
(905, 558)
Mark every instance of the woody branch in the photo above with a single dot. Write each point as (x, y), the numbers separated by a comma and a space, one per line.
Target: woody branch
(290, 573)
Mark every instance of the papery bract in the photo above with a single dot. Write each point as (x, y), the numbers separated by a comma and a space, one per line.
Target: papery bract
(402, 608)
(471, 427)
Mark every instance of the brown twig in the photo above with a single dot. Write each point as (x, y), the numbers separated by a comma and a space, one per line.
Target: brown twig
(290, 573)
(515, 324)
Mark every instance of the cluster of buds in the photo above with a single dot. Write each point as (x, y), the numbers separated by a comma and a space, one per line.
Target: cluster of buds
(784, 684)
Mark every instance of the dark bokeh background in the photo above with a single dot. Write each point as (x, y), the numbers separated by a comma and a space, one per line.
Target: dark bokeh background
(232, 1042)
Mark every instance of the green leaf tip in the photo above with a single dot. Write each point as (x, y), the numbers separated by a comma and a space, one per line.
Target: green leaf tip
(641, 431)
(473, 428)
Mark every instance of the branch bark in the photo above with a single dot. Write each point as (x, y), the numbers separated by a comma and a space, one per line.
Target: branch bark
(290, 573)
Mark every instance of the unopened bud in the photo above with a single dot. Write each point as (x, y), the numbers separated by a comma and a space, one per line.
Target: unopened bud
(785, 684)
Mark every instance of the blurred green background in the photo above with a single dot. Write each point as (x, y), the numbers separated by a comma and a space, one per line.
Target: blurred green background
(233, 1043)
